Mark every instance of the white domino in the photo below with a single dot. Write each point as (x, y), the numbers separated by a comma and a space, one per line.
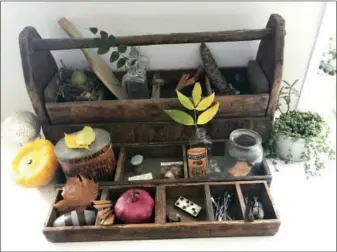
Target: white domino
(188, 206)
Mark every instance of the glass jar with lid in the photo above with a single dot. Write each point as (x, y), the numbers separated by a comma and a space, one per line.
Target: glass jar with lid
(246, 145)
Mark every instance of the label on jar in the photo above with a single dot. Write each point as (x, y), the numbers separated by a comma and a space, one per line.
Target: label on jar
(146, 176)
(197, 162)
(171, 163)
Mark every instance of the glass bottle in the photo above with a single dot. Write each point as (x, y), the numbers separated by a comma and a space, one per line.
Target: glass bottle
(135, 55)
(201, 139)
(134, 82)
(246, 145)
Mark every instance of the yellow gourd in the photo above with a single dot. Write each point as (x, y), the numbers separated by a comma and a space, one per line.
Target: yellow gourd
(35, 164)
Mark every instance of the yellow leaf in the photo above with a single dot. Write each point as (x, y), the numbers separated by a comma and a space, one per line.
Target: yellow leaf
(70, 141)
(86, 136)
(196, 93)
(181, 117)
(207, 115)
(185, 101)
(206, 102)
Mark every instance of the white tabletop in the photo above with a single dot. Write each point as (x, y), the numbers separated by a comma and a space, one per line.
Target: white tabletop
(307, 210)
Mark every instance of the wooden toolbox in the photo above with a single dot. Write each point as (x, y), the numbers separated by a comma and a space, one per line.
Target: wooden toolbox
(165, 196)
(142, 126)
(144, 120)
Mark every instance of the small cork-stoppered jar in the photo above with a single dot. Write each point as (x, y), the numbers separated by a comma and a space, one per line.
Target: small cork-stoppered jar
(137, 164)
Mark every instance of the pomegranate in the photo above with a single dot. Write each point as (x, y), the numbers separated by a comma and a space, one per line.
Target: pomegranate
(134, 206)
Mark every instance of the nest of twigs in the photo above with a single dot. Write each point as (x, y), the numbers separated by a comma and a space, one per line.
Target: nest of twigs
(75, 85)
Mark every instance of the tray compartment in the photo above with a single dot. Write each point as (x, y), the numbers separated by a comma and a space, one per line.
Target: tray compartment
(220, 154)
(195, 193)
(153, 155)
(54, 214)
(115, 192)
(261, 191)
(235, 210)
(160, 229)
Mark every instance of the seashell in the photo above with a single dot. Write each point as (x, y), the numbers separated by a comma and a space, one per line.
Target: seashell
(76, 218)
(240, 169)
(21, 127)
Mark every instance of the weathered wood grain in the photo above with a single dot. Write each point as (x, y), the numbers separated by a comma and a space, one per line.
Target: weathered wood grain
(160, 211)
(209, 205)
(241, 199)
(159, 131)
(163, 230)
(157, 39)
(38, 70)
(148, 109)
(270, 58)
(120, 165)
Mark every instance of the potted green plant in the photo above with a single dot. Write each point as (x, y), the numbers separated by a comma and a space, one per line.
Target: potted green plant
(300, 136)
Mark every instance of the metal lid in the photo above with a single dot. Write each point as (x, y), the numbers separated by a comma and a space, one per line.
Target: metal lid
(137, 160)
(101, 140)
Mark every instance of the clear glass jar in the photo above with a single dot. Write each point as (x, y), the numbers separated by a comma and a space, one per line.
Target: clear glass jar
(246, 145)
(201, 139)
(142, 61)
(135, 83)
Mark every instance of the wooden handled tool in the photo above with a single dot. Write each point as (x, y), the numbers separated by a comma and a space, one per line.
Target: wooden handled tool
(100, 68)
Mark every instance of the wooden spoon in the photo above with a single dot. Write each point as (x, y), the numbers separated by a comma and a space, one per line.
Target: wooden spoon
(100, 68)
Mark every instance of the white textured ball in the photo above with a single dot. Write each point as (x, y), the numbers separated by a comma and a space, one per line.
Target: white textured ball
(21, 127)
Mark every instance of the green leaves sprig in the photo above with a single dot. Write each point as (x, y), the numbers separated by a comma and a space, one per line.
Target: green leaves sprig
(196, 104)
(104, 42)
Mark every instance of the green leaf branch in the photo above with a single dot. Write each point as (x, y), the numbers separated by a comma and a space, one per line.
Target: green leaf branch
(196, 104)
(104, 42)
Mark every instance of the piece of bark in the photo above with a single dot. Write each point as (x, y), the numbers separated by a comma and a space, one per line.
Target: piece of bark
(257, 79)
(216, 78)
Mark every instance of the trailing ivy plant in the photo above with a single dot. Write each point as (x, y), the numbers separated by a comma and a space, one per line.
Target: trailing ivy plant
(328, 62)
(313, 130)
(104, 42)
(301, 125)
(202, 111)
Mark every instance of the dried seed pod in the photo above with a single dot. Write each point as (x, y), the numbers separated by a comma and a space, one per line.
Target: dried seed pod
(105, 211)
(215, 76)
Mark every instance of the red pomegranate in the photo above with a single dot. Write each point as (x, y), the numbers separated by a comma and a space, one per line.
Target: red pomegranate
(134, 206)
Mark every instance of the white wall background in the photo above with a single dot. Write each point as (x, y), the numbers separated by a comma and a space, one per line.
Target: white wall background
(302, 23)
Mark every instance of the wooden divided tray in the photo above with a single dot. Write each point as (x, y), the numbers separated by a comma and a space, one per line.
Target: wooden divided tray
(154, 154)
(165, 196)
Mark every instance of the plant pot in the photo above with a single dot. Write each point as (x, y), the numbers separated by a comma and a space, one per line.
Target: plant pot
(289, 148)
